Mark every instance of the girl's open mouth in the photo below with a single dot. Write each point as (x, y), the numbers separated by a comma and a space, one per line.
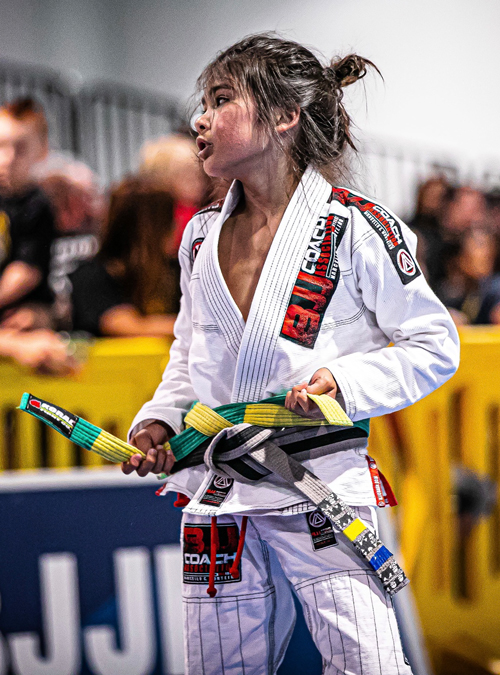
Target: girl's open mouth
(204, 148)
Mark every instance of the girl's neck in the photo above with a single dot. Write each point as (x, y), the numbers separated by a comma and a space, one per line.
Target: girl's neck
(268, 190)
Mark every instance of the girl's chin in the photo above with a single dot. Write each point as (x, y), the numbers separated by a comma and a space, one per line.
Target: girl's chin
(214, 171)
(208, 168)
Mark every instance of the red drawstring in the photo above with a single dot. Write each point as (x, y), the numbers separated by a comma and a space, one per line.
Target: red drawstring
(239, 551)
(181, 501)
(211, 590)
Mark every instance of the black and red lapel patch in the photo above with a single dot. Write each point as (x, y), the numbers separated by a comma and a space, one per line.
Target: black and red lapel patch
(196, 553)
(317, 282)
(388, 229)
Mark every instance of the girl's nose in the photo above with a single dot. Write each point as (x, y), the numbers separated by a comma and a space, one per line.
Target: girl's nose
(202, 123)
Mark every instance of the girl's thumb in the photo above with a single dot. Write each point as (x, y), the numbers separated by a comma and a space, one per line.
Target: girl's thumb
(317, 384)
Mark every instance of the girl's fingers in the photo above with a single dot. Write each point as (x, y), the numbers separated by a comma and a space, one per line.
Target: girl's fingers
(127, 468)
(319, 386)
(303, 401)
(291, 397)
(160, 459)
(148, 463)
(164, 461)
(157, 460)
(169, 461)
(322, 382)
(133, 463)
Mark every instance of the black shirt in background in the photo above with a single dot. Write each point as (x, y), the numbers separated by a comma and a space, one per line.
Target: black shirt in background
(94, 291)
(27, 231)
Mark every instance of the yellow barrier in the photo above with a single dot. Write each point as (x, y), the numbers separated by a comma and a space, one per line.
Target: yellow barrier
(119, 376)
(455, 576)
(455, 572)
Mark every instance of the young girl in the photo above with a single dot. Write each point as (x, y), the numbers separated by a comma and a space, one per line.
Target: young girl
(290, 285)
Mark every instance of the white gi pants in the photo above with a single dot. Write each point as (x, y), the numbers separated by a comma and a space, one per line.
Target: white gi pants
(246, 627)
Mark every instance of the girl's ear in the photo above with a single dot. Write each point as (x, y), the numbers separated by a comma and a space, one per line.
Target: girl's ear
(287, 120)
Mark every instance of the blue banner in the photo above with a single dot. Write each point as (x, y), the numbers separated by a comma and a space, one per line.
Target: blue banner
(90, 578)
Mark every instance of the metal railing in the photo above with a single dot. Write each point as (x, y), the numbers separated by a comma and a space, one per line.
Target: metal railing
(105, 124)
(48, 87)
(114, 121)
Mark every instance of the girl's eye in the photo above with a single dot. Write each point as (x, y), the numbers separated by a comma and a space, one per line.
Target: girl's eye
(220, 100)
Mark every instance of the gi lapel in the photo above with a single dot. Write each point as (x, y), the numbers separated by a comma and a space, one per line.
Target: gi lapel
(269, 305)
(216, 292)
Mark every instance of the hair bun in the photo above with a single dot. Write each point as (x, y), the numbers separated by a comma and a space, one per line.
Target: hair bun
(350, 69)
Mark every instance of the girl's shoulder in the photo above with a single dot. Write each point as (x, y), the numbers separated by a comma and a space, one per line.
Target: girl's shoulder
(377, 232)
(368, 215)
(361, 203)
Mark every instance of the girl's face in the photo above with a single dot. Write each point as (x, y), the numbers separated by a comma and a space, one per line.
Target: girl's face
(229, 141)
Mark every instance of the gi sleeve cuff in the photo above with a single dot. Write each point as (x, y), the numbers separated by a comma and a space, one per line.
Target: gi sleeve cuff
(344, 396)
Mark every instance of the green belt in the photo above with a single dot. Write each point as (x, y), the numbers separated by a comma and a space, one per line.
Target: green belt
(203, 422)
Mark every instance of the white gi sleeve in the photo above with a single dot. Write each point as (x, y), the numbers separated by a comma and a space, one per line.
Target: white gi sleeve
(425, 351)
(175, 394)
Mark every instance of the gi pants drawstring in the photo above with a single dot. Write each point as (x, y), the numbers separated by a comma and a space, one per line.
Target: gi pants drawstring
(211, 590)
(241, 542)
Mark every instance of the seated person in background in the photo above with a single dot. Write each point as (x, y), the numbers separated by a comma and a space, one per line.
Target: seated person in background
(77, 201)
(471, 288)
(427, 225)
(128, 288)
(173, 162)
(26, 219)
(465, 209)
(493, 203)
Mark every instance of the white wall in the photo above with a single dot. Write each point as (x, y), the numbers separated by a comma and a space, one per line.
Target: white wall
(440, 58)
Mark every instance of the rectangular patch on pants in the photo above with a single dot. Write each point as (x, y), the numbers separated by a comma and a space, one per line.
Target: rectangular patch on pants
(321, 529)
(196, 554)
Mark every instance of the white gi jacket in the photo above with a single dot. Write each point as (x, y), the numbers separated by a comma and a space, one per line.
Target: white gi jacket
(339, 284)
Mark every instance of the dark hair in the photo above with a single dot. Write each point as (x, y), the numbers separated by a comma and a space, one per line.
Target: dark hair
(27, 109)
(281, 75)
(139, 218)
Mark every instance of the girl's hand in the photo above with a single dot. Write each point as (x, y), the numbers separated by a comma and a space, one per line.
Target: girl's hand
(322, 382)
(150, 440)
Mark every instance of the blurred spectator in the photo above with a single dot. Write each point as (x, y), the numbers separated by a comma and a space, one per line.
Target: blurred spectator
(465, 209)
(173, 162)
(77, 201)
(493, 204)
(42, 350)
(129, 288)
(26, 219)
(470, 288)
(426, 223)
